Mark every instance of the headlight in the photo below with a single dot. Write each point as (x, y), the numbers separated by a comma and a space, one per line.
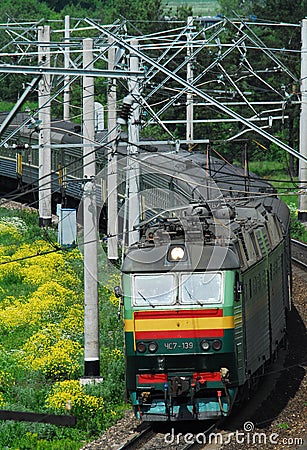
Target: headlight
(141, 347)
(217, 344)
(205, 345)
(153, 347)
(176, 253)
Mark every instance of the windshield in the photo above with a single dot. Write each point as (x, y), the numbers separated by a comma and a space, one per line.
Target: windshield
(158, 289)
(201, 288)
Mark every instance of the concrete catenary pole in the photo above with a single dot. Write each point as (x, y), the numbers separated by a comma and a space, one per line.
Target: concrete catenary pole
(190, 106)
(133, 138)
(302, 197)
(66, 106)
(112, 160)
(44, 116)
(91, 317)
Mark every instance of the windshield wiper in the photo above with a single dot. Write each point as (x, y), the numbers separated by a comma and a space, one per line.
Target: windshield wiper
(146, 299)
(192, 297)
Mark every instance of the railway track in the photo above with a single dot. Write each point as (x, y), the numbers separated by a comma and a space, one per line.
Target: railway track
(171, 437)
(144, 435)
(299, 253)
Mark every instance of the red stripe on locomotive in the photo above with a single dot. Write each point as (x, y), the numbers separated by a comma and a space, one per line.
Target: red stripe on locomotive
(174, 334)
(184, 314)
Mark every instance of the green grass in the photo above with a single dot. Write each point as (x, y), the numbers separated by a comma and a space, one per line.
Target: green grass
(201, 8)
(275, 172)
(7, 106)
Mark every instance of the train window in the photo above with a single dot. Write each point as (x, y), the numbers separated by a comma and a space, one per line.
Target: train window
(243, 245)
(201, 288)
(255, 246)
(240, 253)
(153, 290)
(249, 247)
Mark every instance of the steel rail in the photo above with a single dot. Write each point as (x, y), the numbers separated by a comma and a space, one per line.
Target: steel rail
(299, 253)
(143, 435)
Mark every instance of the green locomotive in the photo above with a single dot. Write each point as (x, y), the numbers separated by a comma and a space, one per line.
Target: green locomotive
(205, 301)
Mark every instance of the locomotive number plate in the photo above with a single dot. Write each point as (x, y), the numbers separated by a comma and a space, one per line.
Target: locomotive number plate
(187, 345)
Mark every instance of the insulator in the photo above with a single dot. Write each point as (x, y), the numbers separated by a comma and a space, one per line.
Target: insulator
(126, 110)
(19, 164)
(20, 146)
(60, 175)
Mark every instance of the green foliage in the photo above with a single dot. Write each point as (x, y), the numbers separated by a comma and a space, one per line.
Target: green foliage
(12, 85)
(7, 106)
(190, 7)
(283, 426)
(41, 329)
(37, 436)
(143, 13)
(298, 230)
(269, 169)
(274, 171)
(229, 6)
(21, 10)
(155, 132)
(276, 10)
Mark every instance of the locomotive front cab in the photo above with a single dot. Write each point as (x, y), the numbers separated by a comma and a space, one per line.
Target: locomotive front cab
(179, 332)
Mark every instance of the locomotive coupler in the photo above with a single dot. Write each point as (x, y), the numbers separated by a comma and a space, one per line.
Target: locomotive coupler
(180, 386)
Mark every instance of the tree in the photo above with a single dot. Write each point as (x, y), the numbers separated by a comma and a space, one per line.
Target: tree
(274, 10)
(145, 14)
(21, 10)
(281, 10)
(228, 6)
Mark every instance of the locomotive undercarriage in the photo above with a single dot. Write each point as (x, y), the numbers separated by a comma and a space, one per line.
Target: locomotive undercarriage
(183, 397)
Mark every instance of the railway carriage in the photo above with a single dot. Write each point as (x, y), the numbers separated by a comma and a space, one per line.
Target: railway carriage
(205, 301)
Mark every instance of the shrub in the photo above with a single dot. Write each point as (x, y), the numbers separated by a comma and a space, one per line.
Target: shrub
(42, 321)
(298, 230)
(47, 304)
(56, 356)
(71, 396)
(15, 222)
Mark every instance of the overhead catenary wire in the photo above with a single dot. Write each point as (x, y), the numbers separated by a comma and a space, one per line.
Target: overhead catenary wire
(183, 28)
(98, 145)
(247, 198)
(198, 183)
(151, 37)
(31, 256)
(161, 171)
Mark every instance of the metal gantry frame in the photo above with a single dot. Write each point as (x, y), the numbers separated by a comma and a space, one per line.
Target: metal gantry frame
(206, 47)
(209, 70)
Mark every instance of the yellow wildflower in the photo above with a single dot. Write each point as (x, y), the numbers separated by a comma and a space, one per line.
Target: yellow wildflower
(72, 392)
